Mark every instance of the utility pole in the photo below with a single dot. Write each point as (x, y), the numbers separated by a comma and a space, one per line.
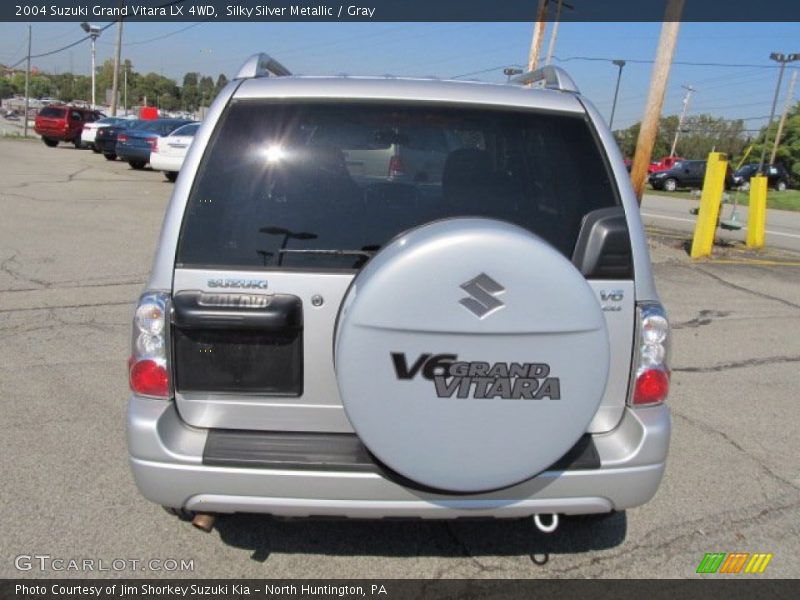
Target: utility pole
(27, 86)
(538, 35)
(689, 90)
(783, 59)
(782, 122)
(125, 97)
(117, 56)
(655, 97)
(620, 64)
(554, 33)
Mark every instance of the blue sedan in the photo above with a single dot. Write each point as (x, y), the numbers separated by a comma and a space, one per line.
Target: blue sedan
(135, 144)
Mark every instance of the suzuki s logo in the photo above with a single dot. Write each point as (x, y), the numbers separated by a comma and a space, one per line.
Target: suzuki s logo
(482, 291)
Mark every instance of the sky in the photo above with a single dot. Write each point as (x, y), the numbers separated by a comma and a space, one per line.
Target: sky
(471, 50)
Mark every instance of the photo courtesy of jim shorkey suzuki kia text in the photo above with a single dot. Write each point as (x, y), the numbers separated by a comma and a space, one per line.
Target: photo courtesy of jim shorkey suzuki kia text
(191, 590)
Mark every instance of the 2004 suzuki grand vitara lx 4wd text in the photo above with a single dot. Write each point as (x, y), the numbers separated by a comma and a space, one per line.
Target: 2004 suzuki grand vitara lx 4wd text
(468, 327)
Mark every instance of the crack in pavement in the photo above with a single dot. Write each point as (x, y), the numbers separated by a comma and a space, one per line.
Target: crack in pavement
(5, 267)
(704, 317)
(707, 428)
(16, 310)
(742, 288)
(741, 364)
(50, 286)
(686, 532)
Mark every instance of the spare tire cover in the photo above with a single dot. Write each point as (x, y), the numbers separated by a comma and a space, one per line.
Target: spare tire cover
(470, 354)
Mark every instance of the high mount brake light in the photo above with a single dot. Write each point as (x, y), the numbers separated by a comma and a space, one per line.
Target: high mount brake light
(651, 369)
(148, 367)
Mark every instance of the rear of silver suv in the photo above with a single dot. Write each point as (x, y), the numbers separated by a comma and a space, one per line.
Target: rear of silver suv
(481, 340)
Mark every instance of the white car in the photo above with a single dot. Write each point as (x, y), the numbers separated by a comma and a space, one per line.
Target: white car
(170, 150)
(89, 132)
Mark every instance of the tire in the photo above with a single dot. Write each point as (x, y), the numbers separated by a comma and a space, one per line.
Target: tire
(781, 186)
(49, 142)
(432, 315)
(670, 184)
(137, 164)
(110, 156)
(94, 148)
(171, 176)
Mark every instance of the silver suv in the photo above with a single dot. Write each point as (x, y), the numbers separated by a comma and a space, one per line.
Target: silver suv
(317, 339)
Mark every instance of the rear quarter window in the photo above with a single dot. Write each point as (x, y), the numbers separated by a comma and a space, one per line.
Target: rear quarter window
(52, 113)
(275, 180)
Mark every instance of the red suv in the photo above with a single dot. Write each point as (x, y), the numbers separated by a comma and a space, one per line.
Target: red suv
(63, 123)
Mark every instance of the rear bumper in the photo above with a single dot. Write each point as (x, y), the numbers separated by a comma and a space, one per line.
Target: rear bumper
(162, 162)
(131, 153)
(166, 457)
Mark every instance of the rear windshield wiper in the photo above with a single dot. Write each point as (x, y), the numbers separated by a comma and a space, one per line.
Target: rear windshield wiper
(366, 253)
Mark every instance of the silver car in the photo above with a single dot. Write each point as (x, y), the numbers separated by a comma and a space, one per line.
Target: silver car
(479, 338)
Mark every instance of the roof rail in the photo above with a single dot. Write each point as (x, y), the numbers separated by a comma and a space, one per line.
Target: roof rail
(262, 65)
(550, 77)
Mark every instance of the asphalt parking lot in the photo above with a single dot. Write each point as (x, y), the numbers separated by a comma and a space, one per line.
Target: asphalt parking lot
(76, 237)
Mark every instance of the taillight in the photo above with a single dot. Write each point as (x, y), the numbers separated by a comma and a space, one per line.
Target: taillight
(395, 167)
(122, 137)
(148, 368)
(153, 143)
(651, 369)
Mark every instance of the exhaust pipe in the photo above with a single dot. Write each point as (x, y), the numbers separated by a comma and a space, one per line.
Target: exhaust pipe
(204, 521)
(550, 528)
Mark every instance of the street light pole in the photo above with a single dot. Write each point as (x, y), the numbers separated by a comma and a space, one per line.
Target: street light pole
(94, 33)
(783, 59)
(689, 89)
(27, 86)
(620, 64)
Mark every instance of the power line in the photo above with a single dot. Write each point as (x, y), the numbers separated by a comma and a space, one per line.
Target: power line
(685, 63)
(160, 37)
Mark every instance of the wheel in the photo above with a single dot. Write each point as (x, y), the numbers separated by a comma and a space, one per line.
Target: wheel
(110, 156)
(781, 186)
(50, 143)
(171, 175)
(137, 164)
(670, 184)
(94, 148)
(181, 513)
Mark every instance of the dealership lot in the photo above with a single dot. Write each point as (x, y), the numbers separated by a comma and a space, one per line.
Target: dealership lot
(76, 239)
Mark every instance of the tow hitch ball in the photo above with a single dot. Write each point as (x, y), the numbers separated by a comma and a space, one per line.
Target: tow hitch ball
(544, 527)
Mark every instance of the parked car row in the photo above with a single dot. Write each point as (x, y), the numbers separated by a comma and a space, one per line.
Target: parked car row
(691, 173)
(162, 143)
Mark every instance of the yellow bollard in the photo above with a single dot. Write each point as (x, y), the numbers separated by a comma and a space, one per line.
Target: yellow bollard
(757, 219)
(710, 201)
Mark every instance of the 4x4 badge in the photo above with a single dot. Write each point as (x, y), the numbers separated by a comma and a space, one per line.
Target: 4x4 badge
(482, 291)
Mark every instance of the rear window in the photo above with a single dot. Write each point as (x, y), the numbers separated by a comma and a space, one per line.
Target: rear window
(187, 130)
(281, 185)
(53, 113)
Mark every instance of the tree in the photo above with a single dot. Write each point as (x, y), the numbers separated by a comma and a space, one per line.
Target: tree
(222, 81)
(788, 149)
(7, 89)
(700, 134)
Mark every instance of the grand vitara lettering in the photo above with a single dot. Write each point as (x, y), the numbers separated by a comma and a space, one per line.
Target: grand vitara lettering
(478, 379)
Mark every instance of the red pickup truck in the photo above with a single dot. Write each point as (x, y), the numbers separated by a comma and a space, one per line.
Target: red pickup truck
(665, 164)
(60, 123)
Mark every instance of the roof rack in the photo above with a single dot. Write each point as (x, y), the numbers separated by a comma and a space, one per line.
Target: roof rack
(550, 77)
(262, 65)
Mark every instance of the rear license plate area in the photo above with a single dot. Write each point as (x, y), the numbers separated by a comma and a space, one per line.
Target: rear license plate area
(239, 361)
